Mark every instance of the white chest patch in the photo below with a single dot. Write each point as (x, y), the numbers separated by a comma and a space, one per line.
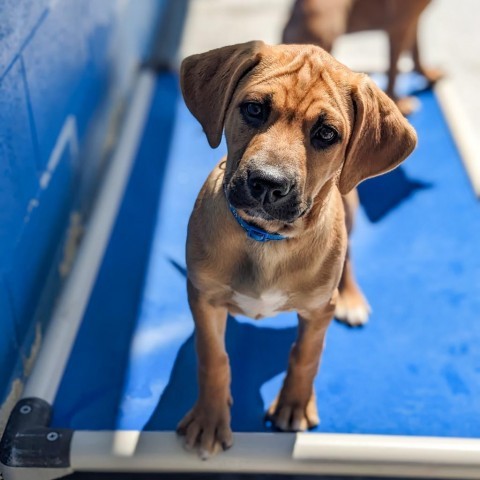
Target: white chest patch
(268, 304)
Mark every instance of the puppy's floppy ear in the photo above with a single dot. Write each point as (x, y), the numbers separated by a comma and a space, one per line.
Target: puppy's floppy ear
(381, 136)
(208, 81)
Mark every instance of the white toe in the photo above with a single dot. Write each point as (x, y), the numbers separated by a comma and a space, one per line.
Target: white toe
(354, 316)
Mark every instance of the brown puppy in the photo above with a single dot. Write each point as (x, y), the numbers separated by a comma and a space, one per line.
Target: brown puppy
(321, 22)
(302, 130)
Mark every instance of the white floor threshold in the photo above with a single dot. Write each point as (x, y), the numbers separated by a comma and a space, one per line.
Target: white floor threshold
(67, 317)
(301, 453)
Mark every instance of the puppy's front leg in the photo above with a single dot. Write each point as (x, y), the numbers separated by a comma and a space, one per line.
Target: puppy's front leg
(295, 408)
(207, 425)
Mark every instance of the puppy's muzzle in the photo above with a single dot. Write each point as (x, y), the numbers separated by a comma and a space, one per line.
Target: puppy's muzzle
(268, 192)
(269, 186)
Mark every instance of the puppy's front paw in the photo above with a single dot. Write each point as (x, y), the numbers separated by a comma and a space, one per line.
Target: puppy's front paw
(292, 415)
(352, 308)
(206, 428)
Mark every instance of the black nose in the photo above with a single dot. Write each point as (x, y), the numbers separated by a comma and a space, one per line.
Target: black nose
(269, 186)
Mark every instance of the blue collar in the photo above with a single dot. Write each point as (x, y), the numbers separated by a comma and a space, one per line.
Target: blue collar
(254, 233)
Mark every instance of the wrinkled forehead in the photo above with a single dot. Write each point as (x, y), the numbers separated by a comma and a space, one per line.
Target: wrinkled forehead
(300, 81)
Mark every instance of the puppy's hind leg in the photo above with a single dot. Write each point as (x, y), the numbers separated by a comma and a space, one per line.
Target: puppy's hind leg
(352, 307)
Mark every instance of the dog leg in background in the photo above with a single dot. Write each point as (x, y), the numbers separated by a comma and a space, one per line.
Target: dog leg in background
(295, 408)
(432, 75)
(352, 307)
(207, 425)
(400, 39)
(318, 23)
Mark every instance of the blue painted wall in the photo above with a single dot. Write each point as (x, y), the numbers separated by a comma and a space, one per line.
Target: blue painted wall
(65, 66)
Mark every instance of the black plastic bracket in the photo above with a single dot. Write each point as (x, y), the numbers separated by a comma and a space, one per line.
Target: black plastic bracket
(28, 441)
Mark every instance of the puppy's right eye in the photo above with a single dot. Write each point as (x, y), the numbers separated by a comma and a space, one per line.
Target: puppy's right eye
(254, 113)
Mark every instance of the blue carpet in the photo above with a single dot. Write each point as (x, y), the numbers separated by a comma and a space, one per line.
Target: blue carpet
(413, 370)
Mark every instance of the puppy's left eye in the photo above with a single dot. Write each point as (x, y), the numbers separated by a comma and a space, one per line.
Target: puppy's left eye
(323, 136)
(254, 113)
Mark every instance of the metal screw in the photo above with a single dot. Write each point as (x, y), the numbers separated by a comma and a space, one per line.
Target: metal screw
(25, 409)
(52, 436)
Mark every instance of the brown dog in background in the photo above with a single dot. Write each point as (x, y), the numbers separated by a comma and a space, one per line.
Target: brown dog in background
(321, 22)
(302, 131)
